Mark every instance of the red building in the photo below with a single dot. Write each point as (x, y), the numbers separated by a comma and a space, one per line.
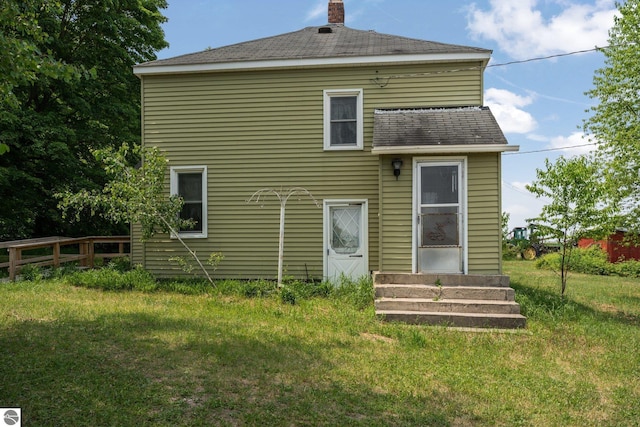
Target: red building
(615, 247)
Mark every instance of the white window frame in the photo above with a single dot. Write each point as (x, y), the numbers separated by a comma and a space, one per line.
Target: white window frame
(174, 172)
(328, 94)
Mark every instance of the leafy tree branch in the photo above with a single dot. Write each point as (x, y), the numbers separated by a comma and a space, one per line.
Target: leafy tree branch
(133, 195)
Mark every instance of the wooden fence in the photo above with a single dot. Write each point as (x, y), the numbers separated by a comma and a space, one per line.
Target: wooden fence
(84, 252)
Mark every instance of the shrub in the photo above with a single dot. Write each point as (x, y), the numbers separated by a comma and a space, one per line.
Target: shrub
(511, 252)
(31, 273)
(63, 271)
(630, 268)
(288, 295)
(593, 261)
(121, 264)
(589, 261)
(257, 288)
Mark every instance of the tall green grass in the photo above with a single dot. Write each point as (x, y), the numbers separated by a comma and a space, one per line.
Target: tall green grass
(84, 356)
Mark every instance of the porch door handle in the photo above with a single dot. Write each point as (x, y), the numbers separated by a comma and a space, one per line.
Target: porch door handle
(355, 256)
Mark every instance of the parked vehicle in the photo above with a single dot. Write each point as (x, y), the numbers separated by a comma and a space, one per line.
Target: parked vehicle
(529, 242)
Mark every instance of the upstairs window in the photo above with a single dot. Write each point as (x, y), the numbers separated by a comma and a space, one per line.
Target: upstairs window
(190, 183)
(343, 119)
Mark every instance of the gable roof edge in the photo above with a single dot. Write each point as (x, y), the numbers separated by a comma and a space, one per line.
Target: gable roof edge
(309, 62)
(445, 149)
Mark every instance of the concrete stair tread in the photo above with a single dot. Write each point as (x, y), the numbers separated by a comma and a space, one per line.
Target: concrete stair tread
(447, 300)
(445, 293)
(410, 285)
(475, 320)
(450, 285)
(441, 279)
(439, 313)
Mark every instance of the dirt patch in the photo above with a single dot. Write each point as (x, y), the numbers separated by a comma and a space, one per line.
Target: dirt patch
(375, 337)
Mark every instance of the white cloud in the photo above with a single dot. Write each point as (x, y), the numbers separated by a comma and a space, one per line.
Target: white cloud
(520, 186)
(538, 138)
(521, 30)
(507, 106)
(574, 144)
(316, 12)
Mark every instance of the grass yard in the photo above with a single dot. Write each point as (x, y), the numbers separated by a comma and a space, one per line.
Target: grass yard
(84, 357)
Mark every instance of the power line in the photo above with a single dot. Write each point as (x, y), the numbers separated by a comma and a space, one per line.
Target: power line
(549, 149)
(542, 58)
(383, 81)
(526, 193)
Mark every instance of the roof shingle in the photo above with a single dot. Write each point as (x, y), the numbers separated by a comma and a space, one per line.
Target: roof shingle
(437, 126)
(314, 43)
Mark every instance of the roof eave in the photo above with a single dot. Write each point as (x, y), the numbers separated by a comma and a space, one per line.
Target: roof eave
(142, 70)
(445, 149)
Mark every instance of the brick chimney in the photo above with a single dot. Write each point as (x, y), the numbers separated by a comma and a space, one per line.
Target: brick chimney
(336, 12)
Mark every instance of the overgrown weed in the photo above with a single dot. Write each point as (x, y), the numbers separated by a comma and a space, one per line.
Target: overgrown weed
(116, 277)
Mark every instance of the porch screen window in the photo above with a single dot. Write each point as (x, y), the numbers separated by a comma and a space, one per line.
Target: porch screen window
(440, 205)
(343, 120)
(190, 184)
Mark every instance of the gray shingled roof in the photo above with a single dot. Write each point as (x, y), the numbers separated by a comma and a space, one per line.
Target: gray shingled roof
(311, 43)
(438, 126)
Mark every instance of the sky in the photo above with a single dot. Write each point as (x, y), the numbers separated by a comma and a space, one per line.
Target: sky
(540, 104)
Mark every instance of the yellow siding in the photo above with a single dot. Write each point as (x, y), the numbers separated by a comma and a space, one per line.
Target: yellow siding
(264, 129)
(396, 216)
(483, 214)
(137, 253)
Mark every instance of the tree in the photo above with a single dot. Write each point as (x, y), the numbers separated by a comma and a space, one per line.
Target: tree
(23, 61)
(67, 89)
(615, 122)
(504, 227)
(575, 190)
(133, 195)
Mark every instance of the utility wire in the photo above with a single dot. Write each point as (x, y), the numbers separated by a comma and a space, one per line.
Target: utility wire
(548, 149)
(542, 58)
(384, 81)
(526, 193)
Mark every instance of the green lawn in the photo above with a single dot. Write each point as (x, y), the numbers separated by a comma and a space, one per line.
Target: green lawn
(83, 357)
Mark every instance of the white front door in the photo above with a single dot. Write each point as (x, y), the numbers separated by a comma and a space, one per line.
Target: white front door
(346, 239)
(439, 217)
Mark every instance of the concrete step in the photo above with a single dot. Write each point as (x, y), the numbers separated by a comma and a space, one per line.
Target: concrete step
(441, 279)
(447, 306)
(463, 320)
(445, 292)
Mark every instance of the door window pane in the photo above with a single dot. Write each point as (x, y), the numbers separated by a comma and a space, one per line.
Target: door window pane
(345, 229)
(439, 185)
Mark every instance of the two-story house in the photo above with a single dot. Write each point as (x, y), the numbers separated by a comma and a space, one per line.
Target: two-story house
(389, 134)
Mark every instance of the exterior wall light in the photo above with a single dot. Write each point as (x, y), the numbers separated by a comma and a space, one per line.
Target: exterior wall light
(397, 164)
